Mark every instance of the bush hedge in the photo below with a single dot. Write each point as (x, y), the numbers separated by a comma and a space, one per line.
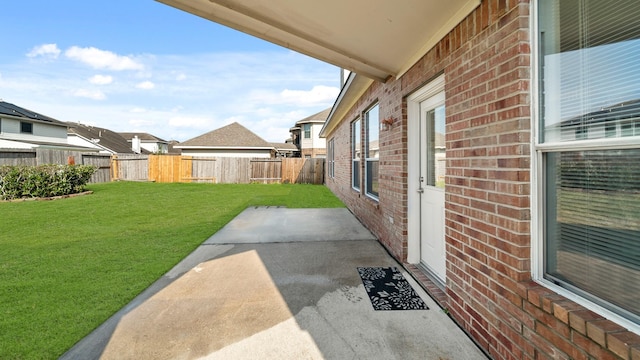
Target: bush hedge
(18, 182)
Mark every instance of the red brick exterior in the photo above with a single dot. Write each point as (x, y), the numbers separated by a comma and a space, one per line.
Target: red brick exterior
(487, 66)
(313, 152)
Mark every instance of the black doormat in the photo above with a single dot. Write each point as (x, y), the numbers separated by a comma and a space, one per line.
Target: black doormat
(389, 290)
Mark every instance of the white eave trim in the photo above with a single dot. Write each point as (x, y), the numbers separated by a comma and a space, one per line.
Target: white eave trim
(459, 16)
(98, 147)
(221, 148)
(255, 24)
(28, 119)
(352, 90)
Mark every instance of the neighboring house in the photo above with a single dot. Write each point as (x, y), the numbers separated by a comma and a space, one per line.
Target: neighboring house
(306, 135)
(172, 150)
(141, 141)
(233, 140)
(618, 120)
(105, 140)
(25, 129)
(531, 241)
(286, 149)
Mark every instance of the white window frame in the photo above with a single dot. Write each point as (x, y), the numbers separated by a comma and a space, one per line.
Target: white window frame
(538, 191)
(354, 149)
(306, 130)
(365, 148)
(331, 157)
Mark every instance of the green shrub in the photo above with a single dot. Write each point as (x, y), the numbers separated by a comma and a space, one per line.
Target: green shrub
(18, 182)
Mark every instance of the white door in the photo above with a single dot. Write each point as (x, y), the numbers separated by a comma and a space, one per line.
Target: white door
(431, 186)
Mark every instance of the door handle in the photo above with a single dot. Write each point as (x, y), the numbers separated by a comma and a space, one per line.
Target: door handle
(421, 190)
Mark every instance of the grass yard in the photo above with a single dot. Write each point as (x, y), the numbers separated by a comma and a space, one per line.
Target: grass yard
(68, 265)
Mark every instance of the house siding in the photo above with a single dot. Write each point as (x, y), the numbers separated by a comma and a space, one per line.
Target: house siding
(41, 131)
(313, 146)
(266, 153)
(486, 61)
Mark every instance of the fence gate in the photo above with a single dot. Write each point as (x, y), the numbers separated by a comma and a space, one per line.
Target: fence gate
(103, 163)
(303, 171)
(133, 167)
(168, 168)
(266, 171)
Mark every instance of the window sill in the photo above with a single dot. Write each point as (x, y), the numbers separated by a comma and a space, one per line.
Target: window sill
(561, 303)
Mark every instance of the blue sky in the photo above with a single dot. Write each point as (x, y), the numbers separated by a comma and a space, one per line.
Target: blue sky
(139, 65)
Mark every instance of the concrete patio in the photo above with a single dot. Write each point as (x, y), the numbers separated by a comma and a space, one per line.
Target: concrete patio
(276, 283)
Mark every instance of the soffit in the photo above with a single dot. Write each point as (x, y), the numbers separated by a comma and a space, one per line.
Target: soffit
(353, 89)
(380, 39)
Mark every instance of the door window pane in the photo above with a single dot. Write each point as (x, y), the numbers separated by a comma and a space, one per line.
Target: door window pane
(436, 160)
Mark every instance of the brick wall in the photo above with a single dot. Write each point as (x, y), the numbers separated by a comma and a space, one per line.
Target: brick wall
(314, 152)
(486, 62)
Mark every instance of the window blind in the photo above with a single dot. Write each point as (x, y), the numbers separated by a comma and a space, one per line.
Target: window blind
(590, 68)
(590, 89)
(593, 236)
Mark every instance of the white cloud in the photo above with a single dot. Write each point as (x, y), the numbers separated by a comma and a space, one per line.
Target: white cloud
(141, 124)
(191, 122)
(101, 79)
(90, 94)
(102, 59)
(267, 92)
(45, 50)
(146, 85)
(181, 77)
(318, 94)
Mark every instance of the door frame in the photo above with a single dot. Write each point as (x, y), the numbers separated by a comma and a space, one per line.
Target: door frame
(413, 164)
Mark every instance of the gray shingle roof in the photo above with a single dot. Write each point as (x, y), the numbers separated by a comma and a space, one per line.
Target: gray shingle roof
(316, 118)
(284, 146)
(107, 138)
(144, 137)
(17, 111)
(233, 135)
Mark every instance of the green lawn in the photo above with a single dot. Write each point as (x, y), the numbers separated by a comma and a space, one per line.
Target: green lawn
(67, 265)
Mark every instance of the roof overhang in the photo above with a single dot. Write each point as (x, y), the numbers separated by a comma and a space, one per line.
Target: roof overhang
(352, 90)
(380, 39)
(209, 147)
(32, 120)
(313, 121)
(30, 145)
(97, 144)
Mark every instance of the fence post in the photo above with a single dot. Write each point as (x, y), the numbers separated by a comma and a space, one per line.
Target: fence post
(114, 168)
(186, 168)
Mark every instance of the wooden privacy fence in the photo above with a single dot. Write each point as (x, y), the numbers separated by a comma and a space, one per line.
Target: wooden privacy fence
(102, 162)
(131, 167)
(54, 156)
(176, 168)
